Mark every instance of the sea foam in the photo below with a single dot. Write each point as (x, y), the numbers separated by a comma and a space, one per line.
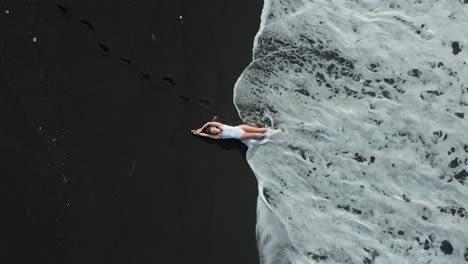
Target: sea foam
(371, 163)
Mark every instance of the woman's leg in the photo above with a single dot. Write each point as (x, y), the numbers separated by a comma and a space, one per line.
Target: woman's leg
(248, 135)
(251, 129)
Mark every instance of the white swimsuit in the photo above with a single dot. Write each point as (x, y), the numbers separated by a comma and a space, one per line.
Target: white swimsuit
(231, 132)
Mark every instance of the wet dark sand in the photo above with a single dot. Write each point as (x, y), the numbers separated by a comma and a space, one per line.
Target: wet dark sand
(98, 164)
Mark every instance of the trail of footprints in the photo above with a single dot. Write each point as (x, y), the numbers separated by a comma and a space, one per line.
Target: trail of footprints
(66, 12)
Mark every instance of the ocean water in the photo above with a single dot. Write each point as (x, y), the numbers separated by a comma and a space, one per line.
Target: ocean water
(371, 163)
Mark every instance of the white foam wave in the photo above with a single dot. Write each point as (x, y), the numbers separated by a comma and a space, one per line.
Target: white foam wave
(371, 165)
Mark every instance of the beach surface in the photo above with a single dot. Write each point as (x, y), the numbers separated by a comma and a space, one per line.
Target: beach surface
(97, 158)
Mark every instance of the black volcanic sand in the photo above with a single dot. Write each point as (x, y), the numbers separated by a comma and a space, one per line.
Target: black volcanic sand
(98, 163)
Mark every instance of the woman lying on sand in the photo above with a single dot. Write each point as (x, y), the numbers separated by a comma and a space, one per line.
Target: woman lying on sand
(218, 130)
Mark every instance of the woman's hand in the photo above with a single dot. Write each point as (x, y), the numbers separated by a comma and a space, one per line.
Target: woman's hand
(196, 131)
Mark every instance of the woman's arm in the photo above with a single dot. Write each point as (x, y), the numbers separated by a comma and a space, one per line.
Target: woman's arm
(210, 136)
(205, 135)
(218, 124)
(204, 126)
